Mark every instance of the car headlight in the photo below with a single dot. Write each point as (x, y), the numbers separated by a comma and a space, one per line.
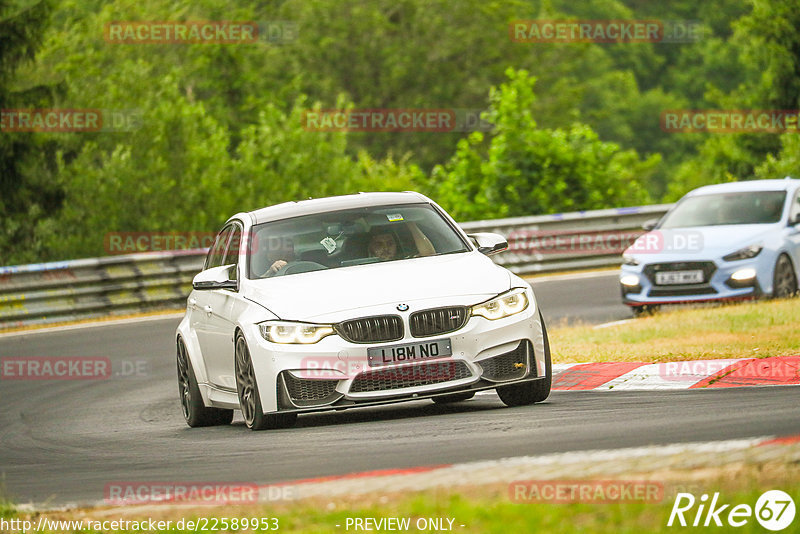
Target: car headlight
(629, 280)
(745, 253)
(509, 303)
(627, 259)
(287, 332)
(744, 274)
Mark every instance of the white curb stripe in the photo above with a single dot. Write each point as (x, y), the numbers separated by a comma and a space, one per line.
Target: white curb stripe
(561, 367)
(670, 375)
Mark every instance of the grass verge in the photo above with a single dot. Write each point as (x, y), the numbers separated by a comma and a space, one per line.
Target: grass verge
(745, 330)
(487, 509)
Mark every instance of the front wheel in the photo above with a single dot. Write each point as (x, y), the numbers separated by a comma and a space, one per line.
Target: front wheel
(530, 392)
(194, 411)
(249, 398)
(784, 281)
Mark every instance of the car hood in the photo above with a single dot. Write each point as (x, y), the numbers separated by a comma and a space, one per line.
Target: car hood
(323, 295)
(701, 242)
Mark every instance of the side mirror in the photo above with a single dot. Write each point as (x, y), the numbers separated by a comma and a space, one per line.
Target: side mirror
(216, 278)
(649, 224)
(795, 221)
(489, 243)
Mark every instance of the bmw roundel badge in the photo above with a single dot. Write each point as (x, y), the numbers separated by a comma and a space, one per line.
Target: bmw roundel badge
(402, 307)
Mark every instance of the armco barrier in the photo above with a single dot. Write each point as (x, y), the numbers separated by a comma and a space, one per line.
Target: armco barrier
(568, 241)
(96, 287)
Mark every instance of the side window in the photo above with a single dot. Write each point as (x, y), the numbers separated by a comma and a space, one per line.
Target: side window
(794, 212)
(217, 252)
(232, 251)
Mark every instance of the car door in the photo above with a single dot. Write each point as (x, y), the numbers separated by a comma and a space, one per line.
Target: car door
(221, 323)
(211, 313)
(199, 300)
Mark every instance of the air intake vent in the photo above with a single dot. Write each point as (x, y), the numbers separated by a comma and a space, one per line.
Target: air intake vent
(310, 392)
(372, 329)
(509, 366)
(410, 376)
(437, 321)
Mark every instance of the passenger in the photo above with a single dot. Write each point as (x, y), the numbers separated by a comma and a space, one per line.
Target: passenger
(421, 241)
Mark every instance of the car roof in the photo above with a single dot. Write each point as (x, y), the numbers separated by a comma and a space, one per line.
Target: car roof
(322, 205)
(785, 184)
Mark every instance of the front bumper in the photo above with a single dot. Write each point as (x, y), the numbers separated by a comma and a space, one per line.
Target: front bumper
(335, 373)
(718, 283)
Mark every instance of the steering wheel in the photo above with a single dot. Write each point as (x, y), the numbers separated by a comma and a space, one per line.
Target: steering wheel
(296, 267)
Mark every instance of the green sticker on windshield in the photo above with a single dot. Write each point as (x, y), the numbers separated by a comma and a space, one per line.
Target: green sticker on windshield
(394, 217)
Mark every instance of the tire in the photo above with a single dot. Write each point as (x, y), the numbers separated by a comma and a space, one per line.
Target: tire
(784, 281)
(249, 397)
(195, 412)
(530, 392)
(455, 397)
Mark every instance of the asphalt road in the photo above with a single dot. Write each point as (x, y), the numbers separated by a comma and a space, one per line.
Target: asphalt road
(63, 441)
(591, 298)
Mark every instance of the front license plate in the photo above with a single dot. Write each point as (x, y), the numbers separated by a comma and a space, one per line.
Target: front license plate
(408, 352)
(679, 277)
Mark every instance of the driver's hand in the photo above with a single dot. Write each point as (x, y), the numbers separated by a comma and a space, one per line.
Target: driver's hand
(277, 266)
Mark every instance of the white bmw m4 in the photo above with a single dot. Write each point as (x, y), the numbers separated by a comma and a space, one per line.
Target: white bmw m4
(351, 301)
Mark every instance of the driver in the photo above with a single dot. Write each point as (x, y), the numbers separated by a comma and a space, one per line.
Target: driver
(280, 254)
(383, 245)
(772, 209)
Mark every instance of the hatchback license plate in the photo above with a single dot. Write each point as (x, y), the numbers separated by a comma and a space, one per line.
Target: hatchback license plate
(408, 352)
(679, 277)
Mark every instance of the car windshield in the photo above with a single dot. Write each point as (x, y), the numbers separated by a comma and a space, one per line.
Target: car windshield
(350, 237)
(753, 207)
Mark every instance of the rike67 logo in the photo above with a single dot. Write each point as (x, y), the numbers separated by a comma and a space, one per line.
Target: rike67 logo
(774, 510)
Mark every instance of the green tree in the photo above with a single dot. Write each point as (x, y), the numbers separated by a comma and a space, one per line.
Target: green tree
(222, 122)
(770, 56)
(786, 163)
(528, 170)
(171, 174)
(175, 173)
(27, 189)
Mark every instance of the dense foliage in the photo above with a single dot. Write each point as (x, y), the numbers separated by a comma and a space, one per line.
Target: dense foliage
(219, 127)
